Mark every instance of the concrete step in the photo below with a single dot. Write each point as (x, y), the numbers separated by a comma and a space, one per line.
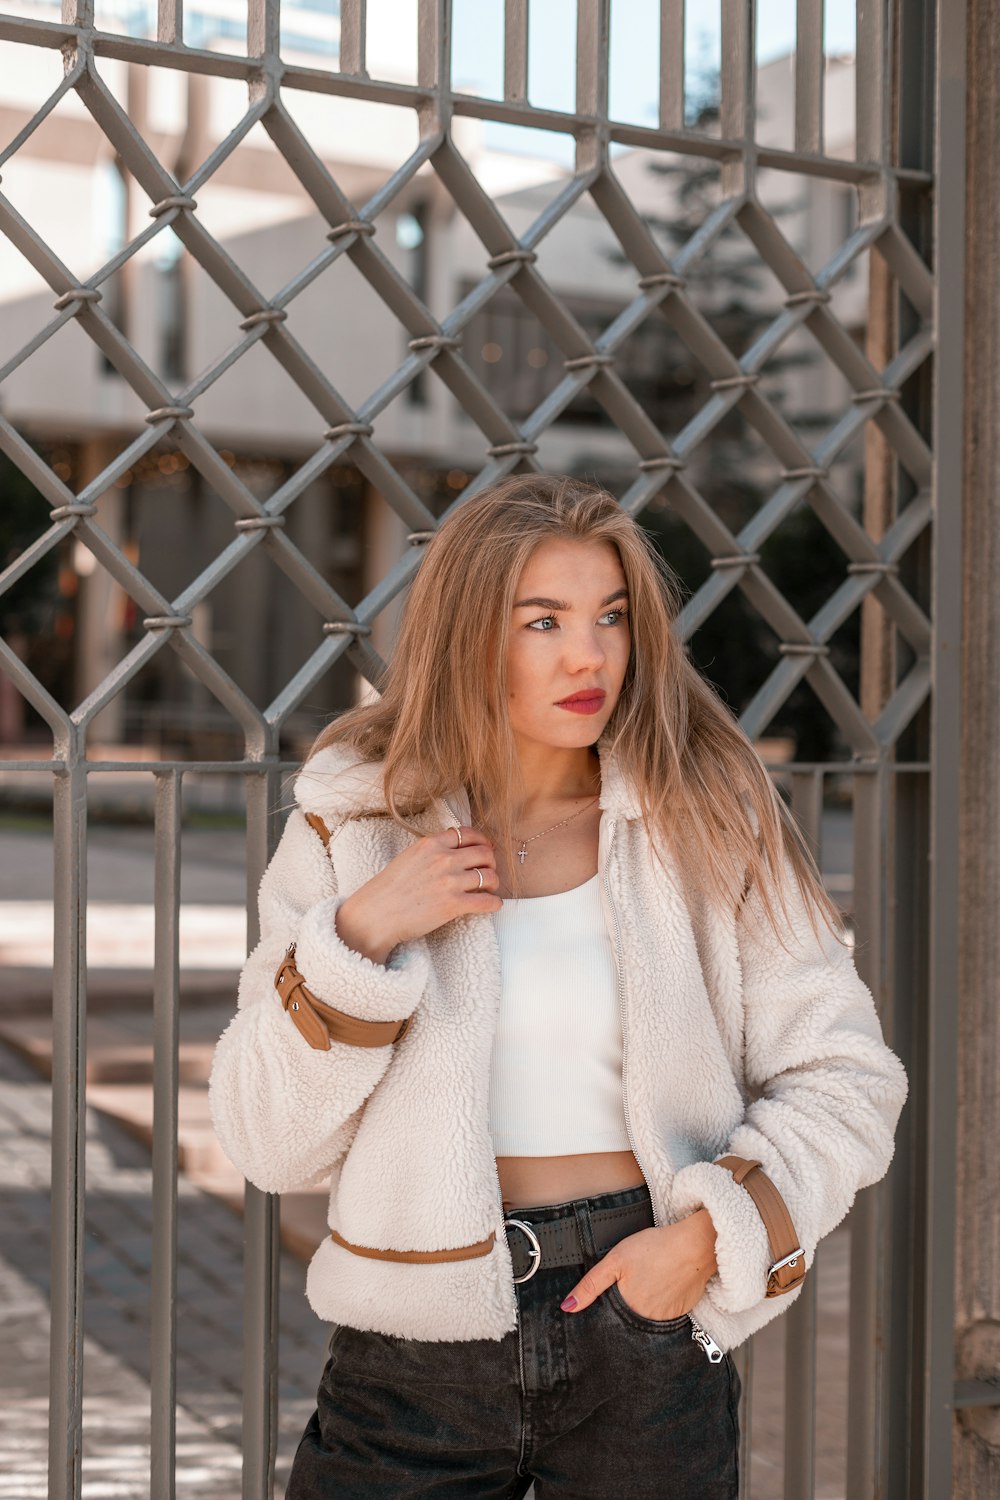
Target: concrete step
(119, 1072)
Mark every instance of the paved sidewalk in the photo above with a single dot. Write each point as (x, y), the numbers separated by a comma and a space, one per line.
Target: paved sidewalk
(116, 1350)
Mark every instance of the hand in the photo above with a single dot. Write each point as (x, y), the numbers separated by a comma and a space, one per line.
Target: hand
(661, 1273)
(430, 883)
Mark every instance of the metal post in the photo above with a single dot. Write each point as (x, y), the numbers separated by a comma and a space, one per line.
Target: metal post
(69, 1031)
(261, 1212)
(976, 740)
(935, 1359)
(166, 1075)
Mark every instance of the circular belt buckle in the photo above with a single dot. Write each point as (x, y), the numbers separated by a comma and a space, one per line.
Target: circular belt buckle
(534, 1248)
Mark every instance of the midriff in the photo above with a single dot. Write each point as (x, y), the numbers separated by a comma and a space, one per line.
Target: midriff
(531, 1181)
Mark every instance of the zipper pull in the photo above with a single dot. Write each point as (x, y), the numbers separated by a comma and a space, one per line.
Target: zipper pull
(712, 1351)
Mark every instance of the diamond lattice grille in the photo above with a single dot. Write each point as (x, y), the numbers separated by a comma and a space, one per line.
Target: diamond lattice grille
(661, 464)
(861, 313)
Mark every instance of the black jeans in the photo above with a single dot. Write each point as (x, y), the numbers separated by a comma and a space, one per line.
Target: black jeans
(588, 1405)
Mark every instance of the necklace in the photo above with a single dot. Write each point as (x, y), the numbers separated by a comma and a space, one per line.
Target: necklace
(523, 851)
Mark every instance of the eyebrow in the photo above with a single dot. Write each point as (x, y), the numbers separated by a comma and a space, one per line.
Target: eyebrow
(561, 603)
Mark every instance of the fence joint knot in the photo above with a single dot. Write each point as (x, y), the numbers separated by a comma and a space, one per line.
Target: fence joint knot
(504, 450)
(510, 257)
(351, 226)
(669, 279)
(434, 341)
(588, 361)
(169, 414)
(175, 200)
(668, 461)
(75, 508)
(78, 295)
(258, 523)
(265, 315)
(346, 627)
(802, 648)
(735, 560)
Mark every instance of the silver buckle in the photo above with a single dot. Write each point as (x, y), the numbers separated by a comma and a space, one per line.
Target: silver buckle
(789, 1260)
(534, 1248)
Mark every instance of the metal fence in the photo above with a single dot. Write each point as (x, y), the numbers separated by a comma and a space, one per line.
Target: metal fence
(904, 383)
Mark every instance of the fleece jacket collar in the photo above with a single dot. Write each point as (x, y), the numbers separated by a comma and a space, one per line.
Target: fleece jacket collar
(334, 783)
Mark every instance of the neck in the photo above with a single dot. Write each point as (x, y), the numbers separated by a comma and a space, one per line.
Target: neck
(551, 775)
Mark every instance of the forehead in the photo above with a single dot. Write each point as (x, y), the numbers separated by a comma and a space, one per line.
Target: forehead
(576, 565)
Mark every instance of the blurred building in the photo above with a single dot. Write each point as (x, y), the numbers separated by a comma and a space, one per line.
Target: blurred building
(69, 402)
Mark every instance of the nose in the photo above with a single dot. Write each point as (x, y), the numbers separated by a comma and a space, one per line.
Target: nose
(584, 651)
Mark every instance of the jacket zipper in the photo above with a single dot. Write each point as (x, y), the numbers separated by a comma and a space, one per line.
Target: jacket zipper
(503, 1231)
(699, 1334)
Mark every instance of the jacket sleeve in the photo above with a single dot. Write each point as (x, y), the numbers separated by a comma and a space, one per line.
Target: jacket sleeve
(827, 1094)
(284, 1112)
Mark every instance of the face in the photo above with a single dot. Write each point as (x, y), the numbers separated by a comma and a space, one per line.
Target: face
(569, 640)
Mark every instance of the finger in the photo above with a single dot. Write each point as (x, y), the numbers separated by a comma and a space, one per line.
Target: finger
(490, 881)
(470, 837)
(591, 1285)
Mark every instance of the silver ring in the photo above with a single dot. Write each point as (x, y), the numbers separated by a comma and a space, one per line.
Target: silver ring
(480, 874)
(459, 832)
(534, 1248)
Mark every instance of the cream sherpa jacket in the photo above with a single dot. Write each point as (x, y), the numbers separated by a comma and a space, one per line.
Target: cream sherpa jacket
(731, 1046)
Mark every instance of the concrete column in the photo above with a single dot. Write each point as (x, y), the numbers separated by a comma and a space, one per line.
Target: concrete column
(976, 1451)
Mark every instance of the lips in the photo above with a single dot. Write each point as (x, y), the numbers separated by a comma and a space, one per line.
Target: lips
(586, 701)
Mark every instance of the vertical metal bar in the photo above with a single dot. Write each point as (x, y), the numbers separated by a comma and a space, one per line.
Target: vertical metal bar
(809, 76)
(353, 38)
(69, 1031)
(593, 45)
(874, 881)
(515, 51)
(166, 1041)
(911, 933)
(434, 45)
(78, 13)
(736, 106)
(744, 1365)
(170, 21)
(871, 80)
(263, 28)
(260, 1214)
(800, 1321)
(671, 64)
(939, 1144)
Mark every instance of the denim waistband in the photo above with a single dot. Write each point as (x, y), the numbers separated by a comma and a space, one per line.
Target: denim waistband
(570, 1207)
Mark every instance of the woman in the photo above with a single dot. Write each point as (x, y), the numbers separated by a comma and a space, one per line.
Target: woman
(548, 949)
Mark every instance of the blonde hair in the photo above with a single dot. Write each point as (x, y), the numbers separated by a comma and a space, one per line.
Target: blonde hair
(441, 719)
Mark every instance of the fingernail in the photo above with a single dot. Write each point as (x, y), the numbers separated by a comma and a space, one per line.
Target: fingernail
(568, 1304)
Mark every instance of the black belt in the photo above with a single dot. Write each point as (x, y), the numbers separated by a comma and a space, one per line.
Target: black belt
(557, 1242)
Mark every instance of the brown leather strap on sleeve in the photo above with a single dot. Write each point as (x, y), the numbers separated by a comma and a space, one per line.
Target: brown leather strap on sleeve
(320, 1023)
(788, 1261)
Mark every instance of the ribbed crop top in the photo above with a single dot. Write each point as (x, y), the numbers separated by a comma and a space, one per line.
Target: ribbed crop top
(556, 1067)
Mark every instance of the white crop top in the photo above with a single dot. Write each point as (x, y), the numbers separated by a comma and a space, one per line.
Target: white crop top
(556, 1068)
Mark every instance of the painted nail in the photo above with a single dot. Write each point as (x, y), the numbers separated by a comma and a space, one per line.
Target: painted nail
(568, 1304)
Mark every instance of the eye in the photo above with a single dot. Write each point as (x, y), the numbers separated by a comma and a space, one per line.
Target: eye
(545, 620)
(620, 615)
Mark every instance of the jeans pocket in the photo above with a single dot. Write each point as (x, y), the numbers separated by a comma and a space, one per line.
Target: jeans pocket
(634, 1319)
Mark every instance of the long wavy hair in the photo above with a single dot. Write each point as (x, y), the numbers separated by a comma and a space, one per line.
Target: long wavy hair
(440, 720)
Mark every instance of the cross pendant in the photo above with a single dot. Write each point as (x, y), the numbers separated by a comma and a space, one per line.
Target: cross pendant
(521, 853)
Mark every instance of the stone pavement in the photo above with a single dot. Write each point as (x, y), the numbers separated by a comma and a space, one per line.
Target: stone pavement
(116, 1348)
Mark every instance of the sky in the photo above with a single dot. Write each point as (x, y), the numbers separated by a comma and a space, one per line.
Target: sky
(478, 55)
